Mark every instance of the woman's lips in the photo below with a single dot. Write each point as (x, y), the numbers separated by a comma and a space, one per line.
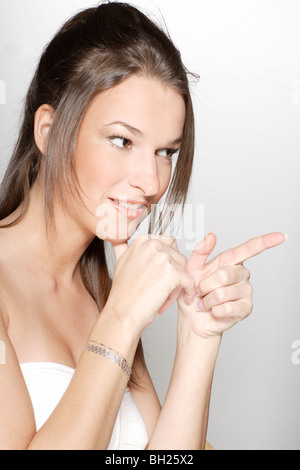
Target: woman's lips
(128, 209)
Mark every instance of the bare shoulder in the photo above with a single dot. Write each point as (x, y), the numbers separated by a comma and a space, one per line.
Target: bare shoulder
(3, 339)
(17, 424)
(3, 332)
(4, 319)
(10, 275)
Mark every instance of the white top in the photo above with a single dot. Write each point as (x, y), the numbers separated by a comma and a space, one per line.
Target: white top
(47, 383)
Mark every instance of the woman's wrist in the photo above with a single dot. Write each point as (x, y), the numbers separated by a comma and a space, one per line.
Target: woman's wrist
(195, 361)
(196, 357)
(186, 336)
(116, 332)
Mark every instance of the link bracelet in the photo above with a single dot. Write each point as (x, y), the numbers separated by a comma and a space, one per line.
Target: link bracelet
(105, 351)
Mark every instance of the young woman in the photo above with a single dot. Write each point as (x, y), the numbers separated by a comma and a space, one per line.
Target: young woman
(107, 111)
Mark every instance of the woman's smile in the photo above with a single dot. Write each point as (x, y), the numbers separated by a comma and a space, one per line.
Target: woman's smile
(130, 210)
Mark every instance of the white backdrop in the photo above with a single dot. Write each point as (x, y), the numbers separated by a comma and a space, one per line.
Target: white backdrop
(247, 105)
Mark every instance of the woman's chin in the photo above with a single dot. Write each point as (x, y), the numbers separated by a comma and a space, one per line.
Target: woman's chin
(116, 237)
(114, 241)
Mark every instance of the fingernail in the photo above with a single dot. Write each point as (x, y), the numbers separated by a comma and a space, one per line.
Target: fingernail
(199, 306)
(286, 236)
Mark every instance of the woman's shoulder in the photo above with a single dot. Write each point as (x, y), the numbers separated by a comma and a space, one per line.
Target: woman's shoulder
(3, 285)
(4, 320)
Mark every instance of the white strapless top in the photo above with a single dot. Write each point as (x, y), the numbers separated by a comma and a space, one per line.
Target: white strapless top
(47, 383)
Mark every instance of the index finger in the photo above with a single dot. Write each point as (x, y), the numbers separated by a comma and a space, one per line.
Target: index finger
(247, 250)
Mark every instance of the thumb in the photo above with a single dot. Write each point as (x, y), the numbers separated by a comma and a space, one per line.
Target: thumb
(201, 253)
(119, 249)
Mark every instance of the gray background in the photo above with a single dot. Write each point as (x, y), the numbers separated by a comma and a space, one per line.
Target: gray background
(247, 105)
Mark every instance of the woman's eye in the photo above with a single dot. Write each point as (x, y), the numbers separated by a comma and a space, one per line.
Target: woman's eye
(120, 142)
(168, 153)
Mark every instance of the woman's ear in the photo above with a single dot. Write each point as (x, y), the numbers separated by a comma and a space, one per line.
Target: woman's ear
(42, 123)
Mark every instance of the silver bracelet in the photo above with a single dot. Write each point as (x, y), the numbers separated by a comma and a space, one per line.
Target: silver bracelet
(102, 350)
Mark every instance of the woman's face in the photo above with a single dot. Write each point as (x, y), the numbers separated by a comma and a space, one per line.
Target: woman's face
(123, 156)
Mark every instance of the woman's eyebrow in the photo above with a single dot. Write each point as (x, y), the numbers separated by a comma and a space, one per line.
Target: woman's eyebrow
(139, 133)
(176, 142)
(131, 129)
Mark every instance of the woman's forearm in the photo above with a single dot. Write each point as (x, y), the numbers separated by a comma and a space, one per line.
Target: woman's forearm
(85, 417)
(182, 423)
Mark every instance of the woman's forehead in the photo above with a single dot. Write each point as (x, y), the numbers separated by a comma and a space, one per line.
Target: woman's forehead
(144, 104)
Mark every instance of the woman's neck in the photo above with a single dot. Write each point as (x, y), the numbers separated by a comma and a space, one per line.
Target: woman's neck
(54, 255)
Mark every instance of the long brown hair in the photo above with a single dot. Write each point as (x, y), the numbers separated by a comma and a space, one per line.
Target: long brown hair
(94, 51)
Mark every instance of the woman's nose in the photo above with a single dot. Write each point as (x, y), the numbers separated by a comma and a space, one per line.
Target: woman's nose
(145, 175)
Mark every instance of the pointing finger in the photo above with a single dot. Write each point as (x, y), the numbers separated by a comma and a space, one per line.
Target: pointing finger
(247, 250)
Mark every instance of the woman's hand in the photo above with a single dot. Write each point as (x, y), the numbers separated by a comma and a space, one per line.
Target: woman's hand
(225, 294)
(145, 275)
